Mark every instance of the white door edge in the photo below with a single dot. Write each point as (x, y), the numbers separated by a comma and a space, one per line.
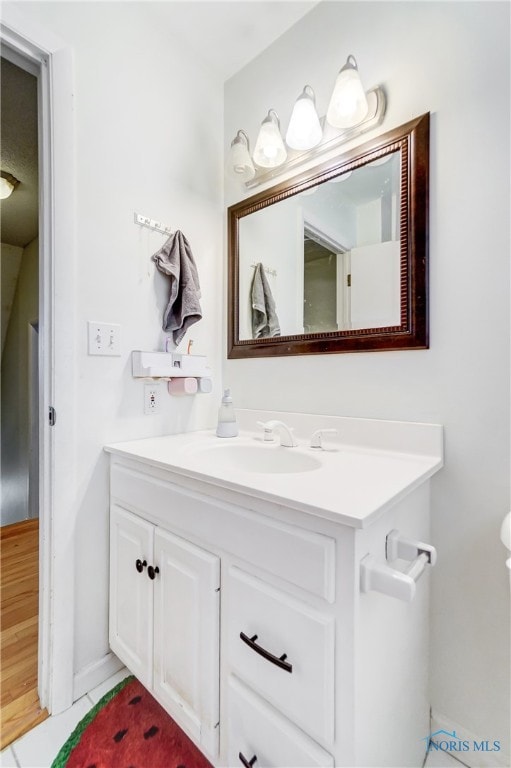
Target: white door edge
(32, 46)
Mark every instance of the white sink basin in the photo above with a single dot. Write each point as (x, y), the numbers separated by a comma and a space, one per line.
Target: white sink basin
(273, 459)
(371, 464)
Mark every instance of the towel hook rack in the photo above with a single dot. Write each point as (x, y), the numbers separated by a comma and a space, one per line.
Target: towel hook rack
(157, 226)
(268, 271)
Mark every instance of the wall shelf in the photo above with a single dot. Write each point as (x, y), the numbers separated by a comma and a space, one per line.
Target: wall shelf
(168, 365)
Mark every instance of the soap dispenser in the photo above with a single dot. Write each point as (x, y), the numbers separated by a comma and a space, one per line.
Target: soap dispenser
(227, 426)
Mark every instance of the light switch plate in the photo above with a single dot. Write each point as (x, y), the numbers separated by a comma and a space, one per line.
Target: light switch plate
(104, 338)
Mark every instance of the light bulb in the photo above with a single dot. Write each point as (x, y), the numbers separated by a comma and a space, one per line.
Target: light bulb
(270, 151)
(348, 103)
(304, 130)
(240, 163)
(5, 188)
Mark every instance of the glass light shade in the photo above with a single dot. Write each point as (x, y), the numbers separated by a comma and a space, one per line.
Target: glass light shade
(304, 130)
(5, 188)
(240, 163)
(343, 177)
(348, 102)
(270, 151)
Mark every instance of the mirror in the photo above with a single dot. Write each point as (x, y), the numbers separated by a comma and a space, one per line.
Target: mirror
(335, 260)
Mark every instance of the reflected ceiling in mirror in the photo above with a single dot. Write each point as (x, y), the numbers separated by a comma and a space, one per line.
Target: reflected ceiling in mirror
(336, 259)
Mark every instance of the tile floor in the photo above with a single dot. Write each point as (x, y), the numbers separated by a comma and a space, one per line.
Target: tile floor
(39, 747)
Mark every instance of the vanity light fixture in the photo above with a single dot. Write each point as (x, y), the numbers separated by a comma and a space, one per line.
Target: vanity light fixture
(7, 184)
(304, 130)
(351, 112)
(348, 103)
(240, 163)
(270, 151)
(343, 177)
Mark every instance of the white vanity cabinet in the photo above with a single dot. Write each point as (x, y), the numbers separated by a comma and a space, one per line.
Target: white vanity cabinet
(164, 619)
(298, 660)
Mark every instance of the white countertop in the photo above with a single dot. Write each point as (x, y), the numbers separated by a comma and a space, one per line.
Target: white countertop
(354, 484)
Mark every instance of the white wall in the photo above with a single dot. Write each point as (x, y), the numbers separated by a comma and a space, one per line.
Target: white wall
(451, 59)
(15, 389)
(10, 256)
(262, 232)
(148, 133)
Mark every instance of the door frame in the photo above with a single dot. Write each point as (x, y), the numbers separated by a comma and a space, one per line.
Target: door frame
(35, 48)
(33, 417)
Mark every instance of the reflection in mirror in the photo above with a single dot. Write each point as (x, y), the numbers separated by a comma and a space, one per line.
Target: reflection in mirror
(331, 254)
(320, 264)
(352, 250)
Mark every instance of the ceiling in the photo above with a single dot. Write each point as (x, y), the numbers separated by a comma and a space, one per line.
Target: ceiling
(224, 35)
(18, 104)
(230, 33)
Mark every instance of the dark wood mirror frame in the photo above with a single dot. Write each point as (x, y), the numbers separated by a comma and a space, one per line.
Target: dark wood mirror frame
(412, 140)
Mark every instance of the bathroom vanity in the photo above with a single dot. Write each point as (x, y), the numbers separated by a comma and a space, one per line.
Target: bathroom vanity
(255, 591)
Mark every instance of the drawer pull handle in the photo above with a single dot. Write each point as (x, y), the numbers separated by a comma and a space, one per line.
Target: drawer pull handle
(280, 661)
(245, 762)
(151, 572)
(139, 565)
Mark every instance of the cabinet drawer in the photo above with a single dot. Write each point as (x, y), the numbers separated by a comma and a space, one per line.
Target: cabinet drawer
(256, 730)
(302, 684)
(272, 546)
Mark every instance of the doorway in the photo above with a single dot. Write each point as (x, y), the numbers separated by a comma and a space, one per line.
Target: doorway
(319, 287)
(19, 230)
(37, 49)
(19, 465)
(326, 281)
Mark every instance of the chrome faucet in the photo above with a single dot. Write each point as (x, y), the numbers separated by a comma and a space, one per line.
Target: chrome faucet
(316, 439)
(287, 439)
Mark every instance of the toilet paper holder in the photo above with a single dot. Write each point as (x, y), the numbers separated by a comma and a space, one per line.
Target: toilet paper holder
(401, 584)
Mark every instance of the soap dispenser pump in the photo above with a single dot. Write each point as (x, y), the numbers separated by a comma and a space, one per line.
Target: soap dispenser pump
(227, 426)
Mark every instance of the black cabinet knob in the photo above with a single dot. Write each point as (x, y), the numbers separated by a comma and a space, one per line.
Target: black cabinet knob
(139, 565)
(151, 572)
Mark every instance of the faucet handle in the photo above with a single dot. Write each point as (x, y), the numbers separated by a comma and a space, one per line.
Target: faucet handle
(268, 431)
(316, 438)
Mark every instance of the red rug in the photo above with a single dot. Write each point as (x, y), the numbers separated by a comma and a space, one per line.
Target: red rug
(129, 729)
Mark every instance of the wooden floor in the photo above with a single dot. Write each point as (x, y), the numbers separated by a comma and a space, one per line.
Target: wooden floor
(19, 603)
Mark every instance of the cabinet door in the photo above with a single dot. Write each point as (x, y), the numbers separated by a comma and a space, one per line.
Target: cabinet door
(186, 640)
(131, 592)
(256, 730)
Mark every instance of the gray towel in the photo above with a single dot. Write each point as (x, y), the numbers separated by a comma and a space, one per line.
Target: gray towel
(264, 317)
(175, 259)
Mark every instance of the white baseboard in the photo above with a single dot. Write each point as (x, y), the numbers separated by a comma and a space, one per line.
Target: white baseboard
(472, 757)
(94, 674)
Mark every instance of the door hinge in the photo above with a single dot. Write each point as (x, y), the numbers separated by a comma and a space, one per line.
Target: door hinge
(348, 281)
(52, 416)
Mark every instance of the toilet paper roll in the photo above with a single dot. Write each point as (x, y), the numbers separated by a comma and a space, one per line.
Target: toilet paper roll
(183, 386)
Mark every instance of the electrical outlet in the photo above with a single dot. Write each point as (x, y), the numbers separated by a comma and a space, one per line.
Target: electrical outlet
(104, 338)
(152, 398)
